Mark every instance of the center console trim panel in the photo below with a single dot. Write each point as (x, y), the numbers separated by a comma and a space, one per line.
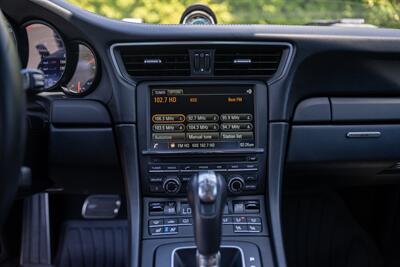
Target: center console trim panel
(149, 157)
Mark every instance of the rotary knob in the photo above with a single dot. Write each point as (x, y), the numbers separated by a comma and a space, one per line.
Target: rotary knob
(172, 185)
(236, 184)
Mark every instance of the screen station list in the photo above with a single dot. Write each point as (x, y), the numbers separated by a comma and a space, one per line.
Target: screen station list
(193, 119)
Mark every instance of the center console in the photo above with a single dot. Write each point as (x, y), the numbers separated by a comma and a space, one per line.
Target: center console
(187, 128)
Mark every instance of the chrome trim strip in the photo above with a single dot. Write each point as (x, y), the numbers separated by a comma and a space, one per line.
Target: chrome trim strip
(274, 79)
(223, 246)
(372, 134)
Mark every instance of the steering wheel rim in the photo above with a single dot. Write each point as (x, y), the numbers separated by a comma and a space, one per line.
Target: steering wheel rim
(12, 121)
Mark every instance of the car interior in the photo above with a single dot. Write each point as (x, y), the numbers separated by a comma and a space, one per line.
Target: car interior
(196, 143)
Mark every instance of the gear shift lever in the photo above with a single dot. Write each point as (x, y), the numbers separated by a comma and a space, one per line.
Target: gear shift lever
(207, 196)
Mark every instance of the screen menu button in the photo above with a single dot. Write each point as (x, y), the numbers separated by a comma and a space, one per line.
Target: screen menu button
(202, 118)
(236, 117)
(237, 136)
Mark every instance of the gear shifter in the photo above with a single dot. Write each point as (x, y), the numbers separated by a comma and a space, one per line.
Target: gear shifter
(207, 196)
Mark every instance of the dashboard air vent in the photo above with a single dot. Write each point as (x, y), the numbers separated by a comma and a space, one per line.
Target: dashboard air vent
(155, 61)
(247, 60)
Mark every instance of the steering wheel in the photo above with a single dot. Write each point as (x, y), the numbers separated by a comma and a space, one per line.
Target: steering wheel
(12, 121)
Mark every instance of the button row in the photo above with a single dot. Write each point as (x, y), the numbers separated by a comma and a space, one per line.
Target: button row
(169, 222)
(250, 228)
(195, 168)
(201, 127)
(241, 220)
(171, 208)
(163, 230)
(162, 208)
(169, 226)
(174, 118)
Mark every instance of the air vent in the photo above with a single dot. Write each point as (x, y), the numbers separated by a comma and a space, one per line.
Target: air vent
(155, 61)
(247, 60)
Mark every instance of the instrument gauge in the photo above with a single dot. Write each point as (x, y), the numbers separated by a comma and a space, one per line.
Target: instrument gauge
(85, 73)
(47, 52)
(198, 14)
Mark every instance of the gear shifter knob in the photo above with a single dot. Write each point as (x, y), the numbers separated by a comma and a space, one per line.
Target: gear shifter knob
(207, 196)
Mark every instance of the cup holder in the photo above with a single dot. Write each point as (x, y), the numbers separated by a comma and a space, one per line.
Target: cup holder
(186, 257)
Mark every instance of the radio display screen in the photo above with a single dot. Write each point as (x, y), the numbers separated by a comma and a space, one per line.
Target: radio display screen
(202, 117)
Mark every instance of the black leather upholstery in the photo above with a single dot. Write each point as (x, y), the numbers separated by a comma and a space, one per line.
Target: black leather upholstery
(12, 120)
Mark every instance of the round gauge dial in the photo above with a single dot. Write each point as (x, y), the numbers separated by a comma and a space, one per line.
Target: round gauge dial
(85, 72)
(47, 52)
(199, 18)
(198, 14)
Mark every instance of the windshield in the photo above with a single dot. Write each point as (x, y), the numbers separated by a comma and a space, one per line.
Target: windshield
(365, 13)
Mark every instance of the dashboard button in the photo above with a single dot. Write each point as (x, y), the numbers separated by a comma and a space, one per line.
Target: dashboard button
(168, 136)
(156, 230)
(153, 168)
(240, 228)
(173, 229)
(252, 206)
(240, 220)
(201, 127)
(203, 167)
(185, 178)
(170, 208)
(185, 221)
(155, 179)
(235, 117)
(233, 166)
(238, 207)
(226, 209)
(250, 166)
(185, 209)
(237, 135)
(168, 118)
(188, 168)
(254, 228)
(218, 167)
(171, 168)
(254, 220)
(227, 220)
(170, 221)
(156, 208)
(167, 128)
(236, 127)
(250, 187)
(202, 117)
(156, 188)
(202, 136)
(251, 178)
(155, 222)
(252, 158)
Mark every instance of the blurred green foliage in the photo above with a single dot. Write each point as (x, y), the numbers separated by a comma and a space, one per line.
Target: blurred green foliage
(382, 13)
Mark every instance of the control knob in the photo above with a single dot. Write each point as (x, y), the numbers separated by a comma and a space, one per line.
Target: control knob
(172, 185)
(236, 184)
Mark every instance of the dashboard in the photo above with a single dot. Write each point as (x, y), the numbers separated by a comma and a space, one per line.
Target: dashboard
(138, 108)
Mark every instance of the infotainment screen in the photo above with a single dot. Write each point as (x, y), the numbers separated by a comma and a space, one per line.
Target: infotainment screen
(202, 117)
